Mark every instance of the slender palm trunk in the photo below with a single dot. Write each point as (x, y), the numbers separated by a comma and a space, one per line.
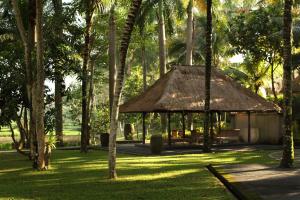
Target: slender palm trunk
(189, 34)
(189, 50)
(39, 97)
(31, 80)
(207, 142)
(86, 51)
(112, 56)
(162, 54)
(273, 81)
(129, 25)
(58, 78)
(143, 59)
(288, 144)
(90, 98)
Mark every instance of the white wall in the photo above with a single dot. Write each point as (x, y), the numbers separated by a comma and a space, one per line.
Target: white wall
(269, 125)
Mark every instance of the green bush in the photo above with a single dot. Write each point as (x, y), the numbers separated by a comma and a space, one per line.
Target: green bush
(6, 146)
(156, 143)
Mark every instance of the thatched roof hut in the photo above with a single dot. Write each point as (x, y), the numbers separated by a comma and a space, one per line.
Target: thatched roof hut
(183, 89)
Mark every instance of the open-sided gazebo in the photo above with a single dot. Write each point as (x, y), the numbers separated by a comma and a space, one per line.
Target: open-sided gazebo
(182, 90)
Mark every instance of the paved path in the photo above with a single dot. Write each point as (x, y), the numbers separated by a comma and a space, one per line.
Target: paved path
(267, 182)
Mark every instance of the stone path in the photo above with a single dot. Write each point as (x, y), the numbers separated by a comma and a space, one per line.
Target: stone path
(266, 182)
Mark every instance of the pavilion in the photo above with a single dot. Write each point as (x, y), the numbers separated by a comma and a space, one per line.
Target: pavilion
(182, 90)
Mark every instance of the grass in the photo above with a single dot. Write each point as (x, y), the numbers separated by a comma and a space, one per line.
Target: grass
(84, 176)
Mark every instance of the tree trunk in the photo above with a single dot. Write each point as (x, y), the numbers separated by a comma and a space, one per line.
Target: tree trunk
(207, 142)
(40, 131)
(58, 78)
(30, 76)
(273, 82)
(129, 25)
(86, 51)
(28, 43)
(112, 56)
(143, 59)
(16, 144)
(189, 50)
(189, 34)
(25, 122)
(90, 99)
(162, 55)
(288, 144)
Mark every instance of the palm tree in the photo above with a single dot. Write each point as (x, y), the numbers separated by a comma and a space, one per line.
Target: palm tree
(39, 87)
(58, 77)
(89, 6)
(189, 48)
(127, 31)
(164, 13)
(288, 144)
(112, 55)
(206, 145)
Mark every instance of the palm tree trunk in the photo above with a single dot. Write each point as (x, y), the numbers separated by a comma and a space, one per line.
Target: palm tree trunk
(30, 79)
(207, 142)
(143, 59)
(189, 50)
(90, 99)
(86, 50)
(58, 79)
(40, 131)
(288, 144)
(273, 81)
(189, 34)
(162, 54)
(129, 25)
(112, 56)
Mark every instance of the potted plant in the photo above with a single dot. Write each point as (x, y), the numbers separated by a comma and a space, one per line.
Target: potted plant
(156, 144)
(104, 139)
(100, 124)
(128, 131)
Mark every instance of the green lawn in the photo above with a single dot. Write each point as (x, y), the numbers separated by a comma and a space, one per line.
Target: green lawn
(84, 176)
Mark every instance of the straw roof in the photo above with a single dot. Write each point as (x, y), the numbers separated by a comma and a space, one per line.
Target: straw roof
(183, 89)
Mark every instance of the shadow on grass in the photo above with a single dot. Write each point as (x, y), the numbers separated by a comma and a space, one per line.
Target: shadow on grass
(84, 176)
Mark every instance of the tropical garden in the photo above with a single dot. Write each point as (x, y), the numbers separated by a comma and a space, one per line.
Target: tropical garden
(66, 66)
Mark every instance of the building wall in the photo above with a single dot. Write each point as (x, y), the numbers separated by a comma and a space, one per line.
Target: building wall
(269, 125)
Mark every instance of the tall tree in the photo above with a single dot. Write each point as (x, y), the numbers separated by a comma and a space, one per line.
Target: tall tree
(288, 144)
(89, 11)
(208, 61)
(126, 36)
(112, 55)
(27, 38)
(39, 87)
(58, 76)
(162, 53)
(189, 48)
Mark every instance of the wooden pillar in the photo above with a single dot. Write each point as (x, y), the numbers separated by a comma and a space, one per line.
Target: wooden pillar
(211, 130)
(219, 123)
(183, 124)
(144, 127)
(169, 129)
(249, 127)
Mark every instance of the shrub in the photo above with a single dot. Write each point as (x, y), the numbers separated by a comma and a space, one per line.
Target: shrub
(128, 131)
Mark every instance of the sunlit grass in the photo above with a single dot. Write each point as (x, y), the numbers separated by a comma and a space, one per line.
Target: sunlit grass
(84, 176)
